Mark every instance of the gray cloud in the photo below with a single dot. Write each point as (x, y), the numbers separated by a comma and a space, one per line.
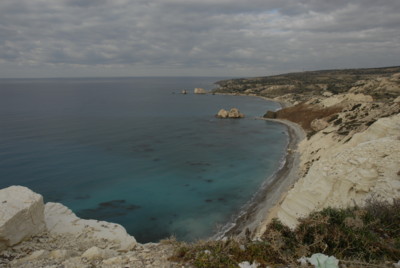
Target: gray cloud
(188, 37)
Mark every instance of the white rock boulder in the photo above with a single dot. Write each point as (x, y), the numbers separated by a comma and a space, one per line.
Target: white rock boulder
(21, 215)
(61, 220)
(222, 113)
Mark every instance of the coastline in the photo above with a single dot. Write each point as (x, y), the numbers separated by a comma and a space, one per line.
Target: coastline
(255, 215)
(283, 104)
(338, 169)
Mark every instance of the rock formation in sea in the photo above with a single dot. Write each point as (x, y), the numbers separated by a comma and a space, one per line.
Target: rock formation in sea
(232, 113)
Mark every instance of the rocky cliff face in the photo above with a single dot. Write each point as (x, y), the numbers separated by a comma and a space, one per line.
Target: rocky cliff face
(342, 174)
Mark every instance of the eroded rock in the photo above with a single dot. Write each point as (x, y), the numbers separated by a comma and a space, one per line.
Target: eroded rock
(21, 215)
(60, 220)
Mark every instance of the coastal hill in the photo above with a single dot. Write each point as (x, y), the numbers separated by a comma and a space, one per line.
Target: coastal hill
(296, 87)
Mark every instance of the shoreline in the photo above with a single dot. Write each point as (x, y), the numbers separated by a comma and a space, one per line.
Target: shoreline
(282, 104)
(251, 221)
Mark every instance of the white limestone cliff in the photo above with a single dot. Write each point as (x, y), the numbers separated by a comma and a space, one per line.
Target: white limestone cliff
(61, 220)
(348, 173)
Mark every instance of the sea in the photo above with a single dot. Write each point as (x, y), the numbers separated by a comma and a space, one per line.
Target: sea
(137, 152)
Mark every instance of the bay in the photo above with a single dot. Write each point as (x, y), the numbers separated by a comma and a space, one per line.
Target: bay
(137, 152)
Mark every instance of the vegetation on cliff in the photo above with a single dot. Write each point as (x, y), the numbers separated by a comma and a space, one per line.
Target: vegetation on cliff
(358, 236)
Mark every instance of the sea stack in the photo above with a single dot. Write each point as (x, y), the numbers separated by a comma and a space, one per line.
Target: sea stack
(232, 113)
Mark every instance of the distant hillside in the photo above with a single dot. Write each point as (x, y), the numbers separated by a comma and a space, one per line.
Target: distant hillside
(304, 84)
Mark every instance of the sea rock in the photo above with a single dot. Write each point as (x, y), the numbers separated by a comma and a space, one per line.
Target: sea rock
(198, 90)
(61, 220)
(184, 92)
(234, 113)
(223, 113)
(21, 215)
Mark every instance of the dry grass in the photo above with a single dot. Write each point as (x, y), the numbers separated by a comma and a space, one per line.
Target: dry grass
(303, 114)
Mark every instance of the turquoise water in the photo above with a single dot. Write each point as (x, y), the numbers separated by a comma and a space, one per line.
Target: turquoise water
(135, 152)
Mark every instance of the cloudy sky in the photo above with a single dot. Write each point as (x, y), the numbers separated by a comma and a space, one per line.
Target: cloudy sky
(68, 38)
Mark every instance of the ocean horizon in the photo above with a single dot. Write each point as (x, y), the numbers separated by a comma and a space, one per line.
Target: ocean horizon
(137, 152)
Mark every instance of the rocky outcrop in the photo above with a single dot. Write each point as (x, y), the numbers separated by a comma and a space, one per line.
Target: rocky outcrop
(68, 241)
(61, 220)
(378, 86)
(21, 215)
(232, 113)
(341, 174)
(319, 124)
(198, 90)
(345, 100)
